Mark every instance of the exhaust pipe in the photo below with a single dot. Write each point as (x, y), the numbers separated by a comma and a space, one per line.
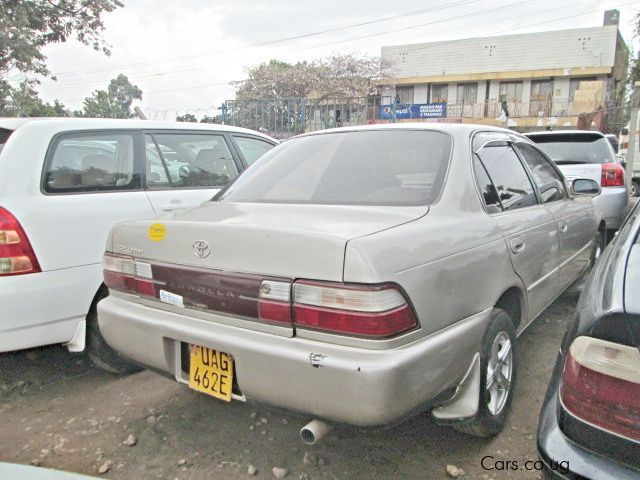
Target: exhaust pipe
(313, 431)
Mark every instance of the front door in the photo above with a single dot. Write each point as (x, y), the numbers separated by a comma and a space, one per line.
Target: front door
(528, 228)
(572, 217)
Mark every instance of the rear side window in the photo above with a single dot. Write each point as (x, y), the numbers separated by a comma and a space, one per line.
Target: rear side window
(489, 194)
(252, 148)
(548, 181)
(376, 167)
(185, 160)
(508, 176)
(4, 136)
(575, 148)
(85, 162)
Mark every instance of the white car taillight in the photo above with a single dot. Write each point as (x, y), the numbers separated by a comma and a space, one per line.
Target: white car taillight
(601, 385)
(16, 254)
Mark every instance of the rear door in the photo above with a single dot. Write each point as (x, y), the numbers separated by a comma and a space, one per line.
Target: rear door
(528, 227)
(573, 219)
(184, 169)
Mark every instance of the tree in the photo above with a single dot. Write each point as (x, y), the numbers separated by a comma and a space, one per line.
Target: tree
(341, 76)
(24, 101)
(115, 102)
(187, 117)
(26, 26)
(287, 94)
(211, 119)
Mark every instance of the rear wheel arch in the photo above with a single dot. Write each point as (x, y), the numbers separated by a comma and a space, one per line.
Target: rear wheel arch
(513, 303)
(100, 353)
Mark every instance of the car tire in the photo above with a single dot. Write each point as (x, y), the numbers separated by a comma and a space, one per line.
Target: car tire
(495, 400)
(635, 189)
(100, 353)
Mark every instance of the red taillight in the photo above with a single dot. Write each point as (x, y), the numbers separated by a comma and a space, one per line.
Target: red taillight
(16, 254)
(601, 385)
(612, 175)
(372, 312)
(128, 275)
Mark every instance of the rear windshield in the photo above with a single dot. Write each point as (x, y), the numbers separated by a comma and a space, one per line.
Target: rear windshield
(376, 167)
(566, 149)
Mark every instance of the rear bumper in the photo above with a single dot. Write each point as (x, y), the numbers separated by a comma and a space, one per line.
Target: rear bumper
(350, 385)
(45, 308)
(613, 203)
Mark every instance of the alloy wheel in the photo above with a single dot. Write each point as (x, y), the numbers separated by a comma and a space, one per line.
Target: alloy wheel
(499, 373)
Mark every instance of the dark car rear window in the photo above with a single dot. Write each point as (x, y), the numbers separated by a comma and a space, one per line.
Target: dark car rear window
(574, 148)
(375, 167)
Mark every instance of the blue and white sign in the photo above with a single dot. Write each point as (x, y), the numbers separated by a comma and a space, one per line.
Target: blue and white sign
(416, 110)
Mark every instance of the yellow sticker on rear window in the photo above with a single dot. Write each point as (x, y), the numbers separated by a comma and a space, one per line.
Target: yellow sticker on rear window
(157, 232)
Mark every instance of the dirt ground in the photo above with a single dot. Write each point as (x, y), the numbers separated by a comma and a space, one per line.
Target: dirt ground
(58, 411)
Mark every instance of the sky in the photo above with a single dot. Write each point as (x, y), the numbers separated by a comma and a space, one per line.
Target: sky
(183, 54)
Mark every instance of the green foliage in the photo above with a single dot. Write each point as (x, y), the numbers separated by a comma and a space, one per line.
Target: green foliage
(215, 119)
(115, 102)
(187, 117)
(26, 26)
(23, 101)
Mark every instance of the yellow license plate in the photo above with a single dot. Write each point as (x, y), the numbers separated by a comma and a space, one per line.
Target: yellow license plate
(211, 372)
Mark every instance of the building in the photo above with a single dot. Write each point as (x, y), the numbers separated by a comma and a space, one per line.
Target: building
(559, 79)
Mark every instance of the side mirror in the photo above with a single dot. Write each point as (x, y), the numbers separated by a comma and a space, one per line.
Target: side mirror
(585, 186)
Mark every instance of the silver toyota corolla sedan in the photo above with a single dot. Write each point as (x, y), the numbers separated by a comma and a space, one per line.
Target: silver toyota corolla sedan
(358, 275)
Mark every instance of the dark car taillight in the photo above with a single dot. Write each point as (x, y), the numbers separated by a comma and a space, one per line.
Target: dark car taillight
(16, 254)
(601, 385)
(359, 310)
(612, 175)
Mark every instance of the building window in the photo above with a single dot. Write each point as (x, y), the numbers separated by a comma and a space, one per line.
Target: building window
(467, 93)
(541, 94)
(404, 95)
(574, 85)
(511, 91)
(467, 97)
(439, 93)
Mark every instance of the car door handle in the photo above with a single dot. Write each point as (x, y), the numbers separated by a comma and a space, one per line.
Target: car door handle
(563, 226)
(517, 245)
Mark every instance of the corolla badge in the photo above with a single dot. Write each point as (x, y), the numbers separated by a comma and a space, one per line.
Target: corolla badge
(201, 248)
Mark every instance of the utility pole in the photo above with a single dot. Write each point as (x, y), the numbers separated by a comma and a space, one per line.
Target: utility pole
(632, 155)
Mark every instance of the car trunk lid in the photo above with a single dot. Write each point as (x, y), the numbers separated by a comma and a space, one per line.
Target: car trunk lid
(292, 241)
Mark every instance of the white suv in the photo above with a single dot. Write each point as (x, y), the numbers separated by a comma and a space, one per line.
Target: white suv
(64, 183)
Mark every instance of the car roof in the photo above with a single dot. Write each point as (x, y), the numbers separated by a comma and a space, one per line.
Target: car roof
(453, 128)
(79, 123)
(566, 132)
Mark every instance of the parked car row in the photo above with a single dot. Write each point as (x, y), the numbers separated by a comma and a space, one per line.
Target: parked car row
(357, 275)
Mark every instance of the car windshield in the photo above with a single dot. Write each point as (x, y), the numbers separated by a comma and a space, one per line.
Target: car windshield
(375, 167)
(571, 148)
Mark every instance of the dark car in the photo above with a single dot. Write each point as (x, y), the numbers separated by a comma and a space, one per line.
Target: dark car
(590, 420)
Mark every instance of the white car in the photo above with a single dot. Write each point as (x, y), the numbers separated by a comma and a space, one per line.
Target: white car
(64, 183)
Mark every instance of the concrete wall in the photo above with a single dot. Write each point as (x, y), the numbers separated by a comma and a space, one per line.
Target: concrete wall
(563, 49)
